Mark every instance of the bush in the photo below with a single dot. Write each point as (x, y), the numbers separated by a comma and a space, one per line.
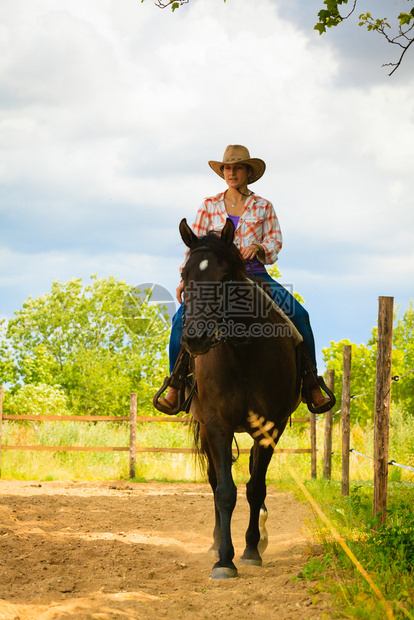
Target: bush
(393, 544)
(41, 399)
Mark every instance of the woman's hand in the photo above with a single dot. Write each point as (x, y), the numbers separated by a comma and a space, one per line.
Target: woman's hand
(250, 251)
(179, 292)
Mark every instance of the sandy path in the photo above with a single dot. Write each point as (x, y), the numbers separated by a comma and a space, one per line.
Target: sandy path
(120, 551)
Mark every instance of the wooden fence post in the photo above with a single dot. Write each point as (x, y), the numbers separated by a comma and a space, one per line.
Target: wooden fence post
(382, 405)
(346, 410)
(313, 444)
(132, 433)
(327, 452)
(1, 418)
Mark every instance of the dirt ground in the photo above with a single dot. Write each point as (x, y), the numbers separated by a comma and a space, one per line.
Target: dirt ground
(88, 550)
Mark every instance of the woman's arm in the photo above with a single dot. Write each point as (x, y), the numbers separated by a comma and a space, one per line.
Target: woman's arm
(272, 239)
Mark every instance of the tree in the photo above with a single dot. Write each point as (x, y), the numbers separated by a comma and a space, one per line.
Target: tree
(402, 34)
(76, 337)
(403, 360)
(364, 368)
(362, 377)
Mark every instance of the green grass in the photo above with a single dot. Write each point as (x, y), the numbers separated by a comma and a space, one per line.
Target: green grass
(387, 553)
(45, 465)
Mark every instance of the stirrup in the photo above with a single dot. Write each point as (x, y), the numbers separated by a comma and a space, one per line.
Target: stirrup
(169, 410)
(323, 408)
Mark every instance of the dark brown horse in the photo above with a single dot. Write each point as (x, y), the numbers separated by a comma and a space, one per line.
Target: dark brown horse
(245, 361)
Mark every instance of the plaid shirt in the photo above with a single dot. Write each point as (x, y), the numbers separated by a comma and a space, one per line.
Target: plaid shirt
(258, 223)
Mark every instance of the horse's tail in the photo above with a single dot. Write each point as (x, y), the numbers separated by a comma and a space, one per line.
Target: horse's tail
(200, 454)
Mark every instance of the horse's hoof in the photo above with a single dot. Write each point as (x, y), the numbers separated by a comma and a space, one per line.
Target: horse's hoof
(251, 561)
(221, 572)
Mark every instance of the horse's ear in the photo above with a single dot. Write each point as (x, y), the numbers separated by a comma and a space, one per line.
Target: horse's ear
(187, 234)
(227, 234)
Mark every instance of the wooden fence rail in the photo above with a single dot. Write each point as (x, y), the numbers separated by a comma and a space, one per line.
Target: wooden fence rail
(133, 419)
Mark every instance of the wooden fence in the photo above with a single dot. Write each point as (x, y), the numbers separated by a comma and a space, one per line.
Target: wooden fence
(133, 449)
(381, 413)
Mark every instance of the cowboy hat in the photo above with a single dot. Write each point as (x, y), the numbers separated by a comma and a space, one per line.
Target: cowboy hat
(237, 154)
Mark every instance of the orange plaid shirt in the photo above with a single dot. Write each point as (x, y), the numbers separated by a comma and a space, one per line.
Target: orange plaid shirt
(258, 223)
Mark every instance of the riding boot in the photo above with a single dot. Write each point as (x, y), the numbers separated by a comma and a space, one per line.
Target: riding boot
(312, 386)
(175, 398)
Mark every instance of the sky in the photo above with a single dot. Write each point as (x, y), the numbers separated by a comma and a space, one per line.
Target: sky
(110, 111)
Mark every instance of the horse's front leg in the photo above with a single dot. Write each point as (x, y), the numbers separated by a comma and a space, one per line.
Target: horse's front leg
(256, 492)
(225, 499)
(212, 478)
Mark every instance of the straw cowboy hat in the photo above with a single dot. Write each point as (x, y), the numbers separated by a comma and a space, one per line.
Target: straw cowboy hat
(237, 154)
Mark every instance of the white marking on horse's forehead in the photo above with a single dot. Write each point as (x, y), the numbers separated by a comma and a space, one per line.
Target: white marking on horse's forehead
(203, 265)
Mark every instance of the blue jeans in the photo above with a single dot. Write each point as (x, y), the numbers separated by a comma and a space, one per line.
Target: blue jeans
(290, 306)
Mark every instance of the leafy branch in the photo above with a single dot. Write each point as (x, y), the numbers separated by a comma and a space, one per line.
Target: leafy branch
(331, 16)
(401, 39)
(171, 3)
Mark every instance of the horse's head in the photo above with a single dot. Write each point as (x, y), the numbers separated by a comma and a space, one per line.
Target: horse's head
(212, 261)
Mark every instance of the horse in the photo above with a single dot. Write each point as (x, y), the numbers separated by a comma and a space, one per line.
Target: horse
(246, 360)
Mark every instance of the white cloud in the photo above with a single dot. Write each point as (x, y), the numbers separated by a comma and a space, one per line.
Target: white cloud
(92, 113)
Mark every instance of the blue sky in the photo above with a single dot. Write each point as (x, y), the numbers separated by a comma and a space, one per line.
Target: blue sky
(110, 112)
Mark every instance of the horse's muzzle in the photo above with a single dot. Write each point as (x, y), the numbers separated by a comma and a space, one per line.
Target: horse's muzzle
(197, 344)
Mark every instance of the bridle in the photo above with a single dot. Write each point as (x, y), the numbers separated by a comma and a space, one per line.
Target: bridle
(218, 336)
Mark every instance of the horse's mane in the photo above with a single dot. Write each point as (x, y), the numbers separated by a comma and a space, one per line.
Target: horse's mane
(226, 252)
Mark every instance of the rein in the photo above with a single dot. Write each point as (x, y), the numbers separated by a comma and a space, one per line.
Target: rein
(252, 274)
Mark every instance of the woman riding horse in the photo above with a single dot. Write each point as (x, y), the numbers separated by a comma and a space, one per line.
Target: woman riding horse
(259, 239)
